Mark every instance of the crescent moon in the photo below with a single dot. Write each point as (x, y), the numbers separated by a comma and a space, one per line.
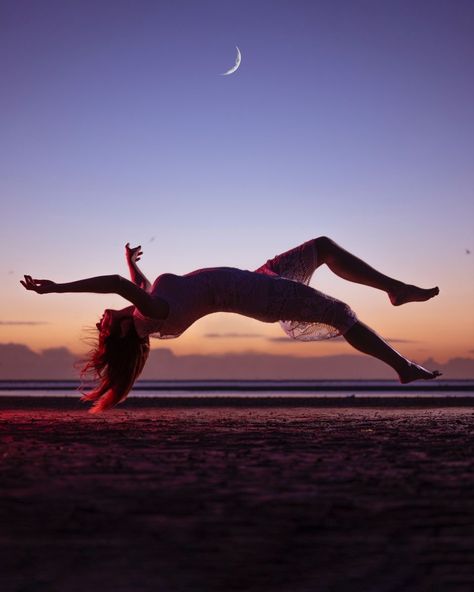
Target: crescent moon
(238, 59)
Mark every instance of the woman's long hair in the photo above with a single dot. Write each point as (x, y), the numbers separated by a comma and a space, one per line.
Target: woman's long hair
(115, 362)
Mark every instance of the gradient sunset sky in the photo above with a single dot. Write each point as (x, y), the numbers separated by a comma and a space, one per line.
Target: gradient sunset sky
(348, 118)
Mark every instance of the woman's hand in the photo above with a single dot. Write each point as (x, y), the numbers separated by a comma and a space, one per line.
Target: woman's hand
(38, 286)
(133, 254)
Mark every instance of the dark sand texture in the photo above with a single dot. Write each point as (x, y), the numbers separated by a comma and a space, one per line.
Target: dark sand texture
(235, 499)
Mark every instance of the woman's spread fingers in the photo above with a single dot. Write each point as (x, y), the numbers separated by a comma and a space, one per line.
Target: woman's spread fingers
(30, 284)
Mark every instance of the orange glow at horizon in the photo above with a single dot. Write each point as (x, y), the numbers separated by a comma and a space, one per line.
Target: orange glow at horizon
(414, 334)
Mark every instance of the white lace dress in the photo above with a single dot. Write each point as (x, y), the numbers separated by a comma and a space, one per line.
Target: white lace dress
(276, 291)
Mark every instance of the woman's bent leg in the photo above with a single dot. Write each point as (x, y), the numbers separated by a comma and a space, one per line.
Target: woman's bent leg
(350, 267)
(364, 339)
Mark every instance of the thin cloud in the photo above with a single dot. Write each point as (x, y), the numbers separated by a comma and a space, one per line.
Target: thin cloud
(21, 323)
(232, 335)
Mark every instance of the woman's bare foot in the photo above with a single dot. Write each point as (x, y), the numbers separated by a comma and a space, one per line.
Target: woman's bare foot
(408, 293)
(414, 372)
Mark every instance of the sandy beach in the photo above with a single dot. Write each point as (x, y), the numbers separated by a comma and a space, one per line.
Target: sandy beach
(205, 499)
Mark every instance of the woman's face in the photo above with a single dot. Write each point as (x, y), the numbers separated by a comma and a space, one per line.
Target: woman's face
(111, 322)
(105, 322)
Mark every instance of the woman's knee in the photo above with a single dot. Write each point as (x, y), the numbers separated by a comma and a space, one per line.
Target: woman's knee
(324, 247)
(344, 317)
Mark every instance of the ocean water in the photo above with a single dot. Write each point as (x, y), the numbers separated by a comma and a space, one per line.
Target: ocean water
(254, 389)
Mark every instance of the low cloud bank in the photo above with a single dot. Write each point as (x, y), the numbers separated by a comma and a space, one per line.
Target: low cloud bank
(17, 361)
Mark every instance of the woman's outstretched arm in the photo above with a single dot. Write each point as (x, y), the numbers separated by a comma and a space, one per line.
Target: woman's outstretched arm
(104, 284)
(133, 255)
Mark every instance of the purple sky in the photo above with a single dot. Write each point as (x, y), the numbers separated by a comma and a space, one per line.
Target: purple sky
(347, 118)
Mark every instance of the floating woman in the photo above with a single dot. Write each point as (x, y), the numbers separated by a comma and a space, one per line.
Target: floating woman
(276, 291)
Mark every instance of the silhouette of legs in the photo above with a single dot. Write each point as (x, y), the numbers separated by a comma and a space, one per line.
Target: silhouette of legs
(299, 264)
(364, 339)
(353, 269)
